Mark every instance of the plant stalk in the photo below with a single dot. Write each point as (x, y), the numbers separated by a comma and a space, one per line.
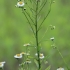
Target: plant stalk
(37, 44)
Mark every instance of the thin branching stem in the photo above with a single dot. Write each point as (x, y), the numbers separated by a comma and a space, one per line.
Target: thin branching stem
(45, 16)
(42, 7)
(29, 22)
(29, 16)
(63, 58)
(30, 8)
(44, 35)
(42, 3)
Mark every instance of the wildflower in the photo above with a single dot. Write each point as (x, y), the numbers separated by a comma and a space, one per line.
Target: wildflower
(41, 56)
(52, 38)
(36, 54)
(24, 8)
(27, 54)
(54, 47)
(18, 56)
(28, 61)
(20, 4)
(60, 68)
(26, 44)
(23, 53)
(52, 27)
(2, 64)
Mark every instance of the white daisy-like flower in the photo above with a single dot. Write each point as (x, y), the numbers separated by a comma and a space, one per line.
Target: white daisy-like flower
(26, 44)
(60, 68)
(41, 56)
(20, 4)
(18, 56)
(28, 61)
(2, 64)
(52, 38)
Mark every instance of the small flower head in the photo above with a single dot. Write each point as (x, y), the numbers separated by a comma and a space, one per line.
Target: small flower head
(52, 27)
(52, 38)
(23, 53)
(54, 47)
(28, 61)
(53, 1)
(18, 56)
(26, 44)
(60, 68)
(2, 64)
(27, 54)
(24, 8)
(41, 56)
(20, 4)
(36, 54)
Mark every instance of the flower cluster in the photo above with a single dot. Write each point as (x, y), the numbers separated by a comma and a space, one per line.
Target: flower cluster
(41, 55)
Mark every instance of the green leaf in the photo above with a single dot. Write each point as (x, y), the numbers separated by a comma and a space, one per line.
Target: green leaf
(48, 68)
(36, 62)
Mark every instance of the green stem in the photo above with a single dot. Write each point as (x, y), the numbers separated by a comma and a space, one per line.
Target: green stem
(37, 45)
(28, 22)
(63, 58)
(45, 16)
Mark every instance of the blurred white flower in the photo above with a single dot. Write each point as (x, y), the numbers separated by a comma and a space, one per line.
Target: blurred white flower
(2, 64)
(28, 61)
(20, 4)
(26, 44)
(27, 54)
(41, 56)
(53, 27)
(36, 54)
(18, 56)
(60, 68)
(52, 38)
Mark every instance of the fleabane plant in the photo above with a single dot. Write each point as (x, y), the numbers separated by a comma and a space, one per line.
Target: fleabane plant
(32, 9)
(35, 7)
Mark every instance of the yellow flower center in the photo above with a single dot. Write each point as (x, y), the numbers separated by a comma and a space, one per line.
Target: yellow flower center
(41, 55)
(18, 55)
(20, 2)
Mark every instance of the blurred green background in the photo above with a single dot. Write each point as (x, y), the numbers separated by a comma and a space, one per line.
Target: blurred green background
(15, 31)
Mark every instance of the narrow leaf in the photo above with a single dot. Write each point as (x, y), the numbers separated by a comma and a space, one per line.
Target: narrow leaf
(48, 68)
(36, 62)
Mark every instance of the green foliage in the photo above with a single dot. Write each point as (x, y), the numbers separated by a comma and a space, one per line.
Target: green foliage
(48, 68)
(14, 32)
